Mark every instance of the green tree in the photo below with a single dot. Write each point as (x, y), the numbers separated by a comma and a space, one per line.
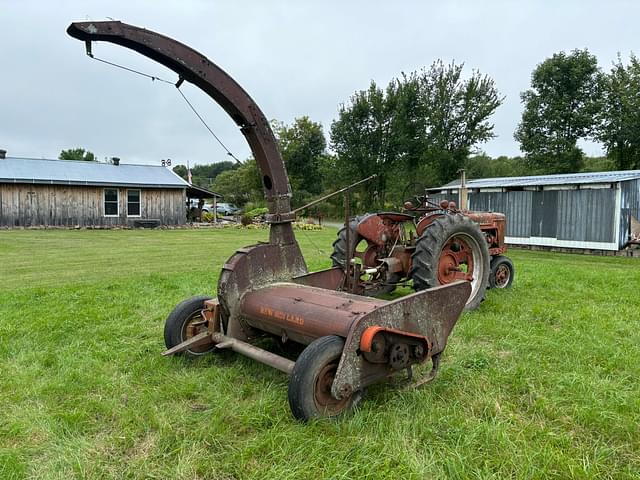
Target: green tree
(619, 129)
(456, 112)
(363, 141)
(483, 166)
(240, 185)
(302, 146)
(181, 170)
(204, 175)
(423, 126)
(560, 108)
(77, 154)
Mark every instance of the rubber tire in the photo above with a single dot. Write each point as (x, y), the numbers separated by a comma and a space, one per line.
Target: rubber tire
(312, 360)
(174, 325)
(495, 263)
(340, 244)
(340, 252)
(424, 261)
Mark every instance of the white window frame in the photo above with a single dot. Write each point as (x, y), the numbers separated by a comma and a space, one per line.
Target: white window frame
(139, 202)
(104, 201)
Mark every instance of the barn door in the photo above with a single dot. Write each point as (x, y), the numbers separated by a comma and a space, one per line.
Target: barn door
(544, 218)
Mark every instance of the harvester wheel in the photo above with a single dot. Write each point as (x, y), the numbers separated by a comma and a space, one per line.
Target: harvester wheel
(311, 380)
(502, 272)
(367, 252)
(452, 248)
(184, 322)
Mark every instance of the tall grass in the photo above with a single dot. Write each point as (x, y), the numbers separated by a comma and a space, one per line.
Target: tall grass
(540, 382)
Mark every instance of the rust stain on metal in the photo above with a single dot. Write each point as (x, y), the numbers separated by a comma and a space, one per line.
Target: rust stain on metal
(266, 289)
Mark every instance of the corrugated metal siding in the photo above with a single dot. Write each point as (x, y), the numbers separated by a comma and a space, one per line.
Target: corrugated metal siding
(544, 214)
(629, 205)
(587, 215)
(438, 197)
(580, 215)
(544, 180)
(515, 205)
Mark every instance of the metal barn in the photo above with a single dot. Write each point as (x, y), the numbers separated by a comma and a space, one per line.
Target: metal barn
(42, 193)
(595, 211)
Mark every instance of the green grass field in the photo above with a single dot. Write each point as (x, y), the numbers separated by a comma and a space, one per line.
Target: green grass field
(540, 382)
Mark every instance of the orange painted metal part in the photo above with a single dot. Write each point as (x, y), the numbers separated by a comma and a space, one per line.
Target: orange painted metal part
(303, 313)
(366, 340)
(380, 230)
(425, 222)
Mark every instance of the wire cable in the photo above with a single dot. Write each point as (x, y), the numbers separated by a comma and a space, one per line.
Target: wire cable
(207, 127)
(177, 85)
(152, 77)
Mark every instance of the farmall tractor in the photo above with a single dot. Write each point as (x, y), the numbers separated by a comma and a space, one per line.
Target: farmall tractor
(432, 244)
(265, 291)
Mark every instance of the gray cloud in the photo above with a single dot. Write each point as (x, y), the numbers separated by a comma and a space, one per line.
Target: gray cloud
(294, 58)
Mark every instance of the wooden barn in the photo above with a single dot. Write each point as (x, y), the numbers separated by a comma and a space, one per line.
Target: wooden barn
(66, 193)
(585, 211)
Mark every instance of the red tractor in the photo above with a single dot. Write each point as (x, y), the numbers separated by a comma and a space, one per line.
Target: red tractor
(432, 244)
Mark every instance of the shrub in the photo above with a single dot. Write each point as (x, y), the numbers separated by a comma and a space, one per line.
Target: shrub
(256, 212)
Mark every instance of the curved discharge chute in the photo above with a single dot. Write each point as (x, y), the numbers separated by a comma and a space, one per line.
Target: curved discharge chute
(193, 67)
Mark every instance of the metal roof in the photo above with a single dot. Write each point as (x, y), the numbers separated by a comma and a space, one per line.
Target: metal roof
(194, 191)
(74, 172)
(561, 179)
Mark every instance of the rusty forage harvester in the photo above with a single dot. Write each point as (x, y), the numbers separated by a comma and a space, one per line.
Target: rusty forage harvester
(266, 290)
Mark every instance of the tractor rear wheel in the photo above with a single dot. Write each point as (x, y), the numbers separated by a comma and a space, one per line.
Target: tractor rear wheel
(368, 252)
(185, 321)
(502, 272)
(311, 380)
(452, 248)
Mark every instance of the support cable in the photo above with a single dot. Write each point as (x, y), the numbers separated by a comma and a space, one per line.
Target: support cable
(177, 85)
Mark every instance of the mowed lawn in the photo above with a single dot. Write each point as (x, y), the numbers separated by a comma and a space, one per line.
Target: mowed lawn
(542, 381)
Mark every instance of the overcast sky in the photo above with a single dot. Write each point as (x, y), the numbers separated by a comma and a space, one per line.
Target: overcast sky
(293, 57)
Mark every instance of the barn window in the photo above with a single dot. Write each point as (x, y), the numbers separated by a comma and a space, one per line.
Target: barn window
(111, 202)
(133, 203)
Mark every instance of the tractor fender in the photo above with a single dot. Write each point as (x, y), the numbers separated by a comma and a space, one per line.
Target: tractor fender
(425, 221)
(381, 228)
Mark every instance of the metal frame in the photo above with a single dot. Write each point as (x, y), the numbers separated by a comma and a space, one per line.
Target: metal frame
(266, 288)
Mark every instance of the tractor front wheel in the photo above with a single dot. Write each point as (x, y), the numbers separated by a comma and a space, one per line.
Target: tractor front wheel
(452, 248)
(185, 321)
(502, 272)
(311, 380)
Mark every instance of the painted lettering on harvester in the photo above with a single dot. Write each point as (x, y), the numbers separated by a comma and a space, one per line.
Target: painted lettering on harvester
(282, 316)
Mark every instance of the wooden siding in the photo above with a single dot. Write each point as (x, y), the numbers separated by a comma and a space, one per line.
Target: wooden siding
(27, 205)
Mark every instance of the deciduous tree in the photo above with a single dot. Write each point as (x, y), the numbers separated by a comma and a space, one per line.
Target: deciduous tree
(560, 108)
(425, 123)
(619, 129)
(302, 146)
(77, 154)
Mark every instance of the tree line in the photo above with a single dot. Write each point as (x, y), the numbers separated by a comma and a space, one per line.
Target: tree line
(423, 127)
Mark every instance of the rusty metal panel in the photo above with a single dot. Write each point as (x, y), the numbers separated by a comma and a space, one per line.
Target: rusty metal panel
(331, 278)
(432, 313)
(304, 313)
